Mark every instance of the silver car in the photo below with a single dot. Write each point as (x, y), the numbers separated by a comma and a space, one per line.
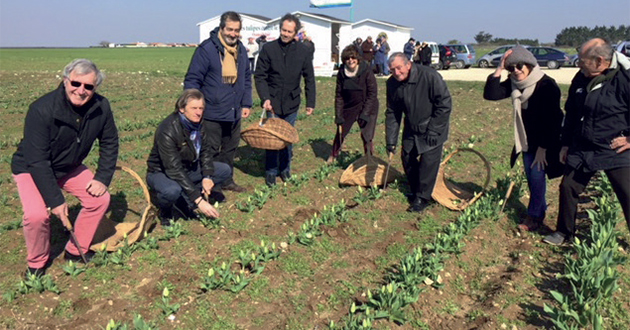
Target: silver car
(490, 59)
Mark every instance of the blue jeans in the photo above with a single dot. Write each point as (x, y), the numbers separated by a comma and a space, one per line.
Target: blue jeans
(168, 191)
(537, 183)
(385, 67)
(279, 161)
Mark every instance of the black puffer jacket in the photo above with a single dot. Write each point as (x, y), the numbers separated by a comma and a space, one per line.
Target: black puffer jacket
(57, 140)
(426, 102)
(595, 118)
(174, 154)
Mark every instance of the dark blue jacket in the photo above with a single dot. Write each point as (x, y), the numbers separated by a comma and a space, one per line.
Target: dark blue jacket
(223, 101)
(57, 140)
(409, 50)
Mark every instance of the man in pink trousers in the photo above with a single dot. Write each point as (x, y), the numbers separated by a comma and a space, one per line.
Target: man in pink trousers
(59, 131)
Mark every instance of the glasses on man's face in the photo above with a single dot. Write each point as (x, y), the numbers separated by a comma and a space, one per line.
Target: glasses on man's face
(350, 58)
(78, 84)
(513, 67)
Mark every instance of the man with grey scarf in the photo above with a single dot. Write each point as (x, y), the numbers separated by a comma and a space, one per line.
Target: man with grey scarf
(595, 133)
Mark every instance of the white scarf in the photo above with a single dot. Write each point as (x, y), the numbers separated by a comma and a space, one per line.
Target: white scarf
(519, 102)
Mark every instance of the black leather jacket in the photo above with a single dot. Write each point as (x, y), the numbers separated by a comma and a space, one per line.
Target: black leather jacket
(174, 154)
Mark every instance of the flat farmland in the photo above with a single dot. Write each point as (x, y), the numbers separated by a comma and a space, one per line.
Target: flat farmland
(298, 256)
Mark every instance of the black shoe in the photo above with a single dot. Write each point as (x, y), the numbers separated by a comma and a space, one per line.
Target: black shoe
(270, 180)
(38, 272)
(234, 187)
(165, 216)
(418, 205)
(285, 175)
(77, 258)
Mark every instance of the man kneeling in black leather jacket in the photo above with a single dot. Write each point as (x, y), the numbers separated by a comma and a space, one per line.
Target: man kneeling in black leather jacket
(180, 166)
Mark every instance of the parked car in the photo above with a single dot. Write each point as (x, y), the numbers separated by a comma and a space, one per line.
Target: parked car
(573, 60)
(624, 48)
(546, 56)
(447, 57)
(487, 60)
(465, 55)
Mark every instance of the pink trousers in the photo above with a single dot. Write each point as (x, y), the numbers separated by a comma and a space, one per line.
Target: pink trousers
(36, 219)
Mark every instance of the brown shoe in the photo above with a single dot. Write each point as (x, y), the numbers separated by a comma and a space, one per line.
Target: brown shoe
(234, 187)
(530, 224)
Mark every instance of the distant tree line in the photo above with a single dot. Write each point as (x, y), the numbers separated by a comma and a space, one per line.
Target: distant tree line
(575, 36)
(571, 37)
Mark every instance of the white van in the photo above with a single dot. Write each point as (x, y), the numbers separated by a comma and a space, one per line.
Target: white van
(435, 54)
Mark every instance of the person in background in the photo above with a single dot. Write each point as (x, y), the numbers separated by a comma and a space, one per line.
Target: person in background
(409, 48)
(421, 95)
(425, 54)
(537, 124)
(357, 43)
(386, 50)
(252, 52)
(181, 165)
(596, 132)
(380, 57)
(368, 50)
(416, 58)
(356, 100)
(59, 132)
(220, 69)
(280, 66)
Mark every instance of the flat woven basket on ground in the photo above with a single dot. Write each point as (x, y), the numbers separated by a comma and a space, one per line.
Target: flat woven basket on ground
(270, 134)
(112, 233)
(368, 171)
(453, 196)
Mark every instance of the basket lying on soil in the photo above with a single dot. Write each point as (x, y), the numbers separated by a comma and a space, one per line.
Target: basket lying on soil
(270, 134)
(368, 171)
(112, 233)
(453, 196)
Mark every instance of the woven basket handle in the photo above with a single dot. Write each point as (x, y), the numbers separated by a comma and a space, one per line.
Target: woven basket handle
(145, 190)
(485, 162)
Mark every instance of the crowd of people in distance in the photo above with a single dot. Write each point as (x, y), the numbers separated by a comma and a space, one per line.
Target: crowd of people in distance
(191, 163)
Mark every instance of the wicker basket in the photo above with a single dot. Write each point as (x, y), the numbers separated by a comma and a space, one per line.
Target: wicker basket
(368, 171)
(453, 196)
(112, 234)
(270, 134)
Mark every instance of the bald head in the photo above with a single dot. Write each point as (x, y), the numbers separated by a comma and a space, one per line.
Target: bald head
(595, 57)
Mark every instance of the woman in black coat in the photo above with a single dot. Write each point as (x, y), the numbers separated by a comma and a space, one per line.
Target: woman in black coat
(355, 101)
(537, 124)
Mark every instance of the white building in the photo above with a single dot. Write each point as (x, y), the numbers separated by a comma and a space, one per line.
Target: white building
(329, 34)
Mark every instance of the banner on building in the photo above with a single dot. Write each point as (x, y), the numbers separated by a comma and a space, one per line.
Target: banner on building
(330, 3)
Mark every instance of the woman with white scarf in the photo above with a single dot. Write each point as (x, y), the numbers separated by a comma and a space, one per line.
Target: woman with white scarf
(537, 124)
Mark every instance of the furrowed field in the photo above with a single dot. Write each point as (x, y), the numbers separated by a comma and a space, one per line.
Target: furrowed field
(303, 254)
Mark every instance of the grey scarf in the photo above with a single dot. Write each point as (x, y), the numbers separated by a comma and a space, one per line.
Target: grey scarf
(521, 92)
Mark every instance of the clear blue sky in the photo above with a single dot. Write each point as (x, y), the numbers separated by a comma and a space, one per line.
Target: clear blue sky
(65, 23)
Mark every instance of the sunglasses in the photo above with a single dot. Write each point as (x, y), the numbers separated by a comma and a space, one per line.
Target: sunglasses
(78, 84)
(518, 66)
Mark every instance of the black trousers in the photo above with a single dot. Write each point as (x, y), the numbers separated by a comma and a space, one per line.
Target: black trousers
(573, 184)
(422, 173)
(224, 137)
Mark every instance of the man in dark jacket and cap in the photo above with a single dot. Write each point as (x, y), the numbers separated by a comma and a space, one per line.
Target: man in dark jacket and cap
(220, 70)
(419, 93)
(596, 133)
(59, 132)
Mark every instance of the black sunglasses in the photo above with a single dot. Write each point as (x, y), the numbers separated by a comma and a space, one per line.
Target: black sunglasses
(78, 84)
(515, 66)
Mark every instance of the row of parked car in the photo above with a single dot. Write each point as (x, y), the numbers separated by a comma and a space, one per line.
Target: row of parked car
(464, 56)
(546, 56)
